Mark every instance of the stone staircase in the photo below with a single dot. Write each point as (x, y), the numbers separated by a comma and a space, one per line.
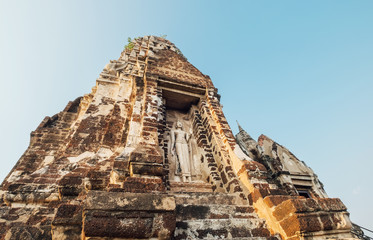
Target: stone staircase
(217, 216)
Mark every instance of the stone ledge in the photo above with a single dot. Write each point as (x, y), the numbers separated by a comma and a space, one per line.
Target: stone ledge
(308, 205)
(190, 187)
(119, 201)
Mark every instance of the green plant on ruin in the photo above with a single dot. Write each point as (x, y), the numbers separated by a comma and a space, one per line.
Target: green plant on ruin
(130, 43)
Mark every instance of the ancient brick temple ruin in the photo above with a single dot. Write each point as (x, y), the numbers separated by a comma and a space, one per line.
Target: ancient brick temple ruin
(148, 154)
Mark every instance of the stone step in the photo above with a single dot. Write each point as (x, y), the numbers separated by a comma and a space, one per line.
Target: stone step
(181, 187)
(200, 198)
(221, 229)
(192, 212)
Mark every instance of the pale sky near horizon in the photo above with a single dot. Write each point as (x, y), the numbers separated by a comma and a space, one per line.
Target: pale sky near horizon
(299, 72)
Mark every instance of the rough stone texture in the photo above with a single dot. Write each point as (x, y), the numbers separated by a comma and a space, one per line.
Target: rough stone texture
(289, 195)
(105, 167)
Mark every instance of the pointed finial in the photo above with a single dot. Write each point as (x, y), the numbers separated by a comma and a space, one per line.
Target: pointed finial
(239, 127)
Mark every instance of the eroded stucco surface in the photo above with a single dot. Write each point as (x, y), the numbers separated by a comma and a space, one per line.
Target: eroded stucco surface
(148, 154)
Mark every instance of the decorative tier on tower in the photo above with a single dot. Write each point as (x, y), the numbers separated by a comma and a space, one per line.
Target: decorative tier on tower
(148, 154)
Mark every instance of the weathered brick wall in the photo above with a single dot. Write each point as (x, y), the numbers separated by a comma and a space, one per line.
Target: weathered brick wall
(286, 212)
(100, 167)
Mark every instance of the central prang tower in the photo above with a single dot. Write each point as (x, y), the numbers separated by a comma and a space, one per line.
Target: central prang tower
(149, 154)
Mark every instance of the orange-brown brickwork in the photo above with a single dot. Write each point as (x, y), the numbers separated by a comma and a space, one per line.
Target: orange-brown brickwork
(148, 154)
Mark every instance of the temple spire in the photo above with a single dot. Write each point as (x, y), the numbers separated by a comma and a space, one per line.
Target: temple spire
(239, 127)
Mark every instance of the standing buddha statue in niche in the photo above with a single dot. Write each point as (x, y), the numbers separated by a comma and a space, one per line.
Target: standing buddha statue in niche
(180, 148)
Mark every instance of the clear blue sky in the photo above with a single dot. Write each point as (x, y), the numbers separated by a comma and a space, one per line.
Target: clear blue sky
(299, 72)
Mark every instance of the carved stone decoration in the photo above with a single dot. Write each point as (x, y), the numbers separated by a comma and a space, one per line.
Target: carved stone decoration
(114, 66)
(183, 153)
(180, 150)
(288, 161)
